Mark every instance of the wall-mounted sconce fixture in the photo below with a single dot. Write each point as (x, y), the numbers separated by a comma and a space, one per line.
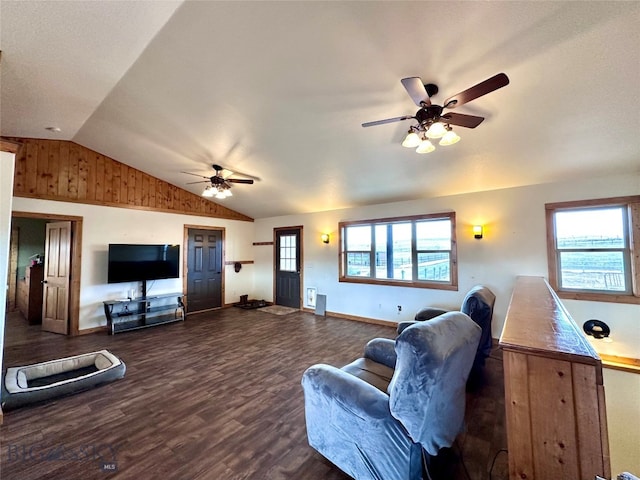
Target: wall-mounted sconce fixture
(596, 328)
(325, 238)
(477, 231)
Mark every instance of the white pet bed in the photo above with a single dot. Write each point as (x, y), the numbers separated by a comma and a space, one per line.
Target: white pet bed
(46, 380)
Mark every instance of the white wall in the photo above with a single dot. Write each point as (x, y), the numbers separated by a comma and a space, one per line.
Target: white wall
(6, 192)
(622, 394)
(514, 244)
(104, 225)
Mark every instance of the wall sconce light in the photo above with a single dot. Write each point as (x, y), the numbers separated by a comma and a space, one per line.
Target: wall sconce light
(597, 329)
(325, 238)
(477, 232)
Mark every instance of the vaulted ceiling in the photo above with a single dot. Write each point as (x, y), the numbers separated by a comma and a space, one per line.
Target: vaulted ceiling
(279, 90)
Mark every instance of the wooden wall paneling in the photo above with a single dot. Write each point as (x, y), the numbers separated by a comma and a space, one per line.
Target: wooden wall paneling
(138, 188)
(517, 406)
(74, 170)
(53, 165)
(63, 169)
(66, 171)
(31, 168)
(555, 453)
(92, 175)
(145, 191)
(20, 170)
(108, 180)
(42, 168)
(152, 192)
(99, 177)
(131, 186)
(116, 182)
(592, 457)
(83, 165)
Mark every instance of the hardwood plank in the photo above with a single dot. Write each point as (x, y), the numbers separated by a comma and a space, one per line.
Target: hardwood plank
(116, 168)
(53, 167)
(63, 169)
(92, 174)
(226, 404)
(99, 177)
(42, 168)
(19, 175)
(31, 167)
(108, 179)
(83, 173)
(74, 170)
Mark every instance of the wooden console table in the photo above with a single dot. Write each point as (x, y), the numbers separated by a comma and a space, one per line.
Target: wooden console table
(554, 393)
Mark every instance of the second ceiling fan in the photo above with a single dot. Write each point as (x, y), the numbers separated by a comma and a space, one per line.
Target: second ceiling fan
(433, 123)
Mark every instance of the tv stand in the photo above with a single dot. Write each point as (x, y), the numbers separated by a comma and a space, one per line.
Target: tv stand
(143, 312)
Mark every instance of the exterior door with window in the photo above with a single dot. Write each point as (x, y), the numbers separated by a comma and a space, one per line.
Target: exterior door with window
(204, 269)
(288, 261)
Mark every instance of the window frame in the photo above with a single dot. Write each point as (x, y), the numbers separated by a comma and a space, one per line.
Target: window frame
(631, 204)
(452, 284)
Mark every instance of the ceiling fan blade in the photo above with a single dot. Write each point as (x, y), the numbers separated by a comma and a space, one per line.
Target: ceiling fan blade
(194, 174)
(462, 120)
(203, 181)
(388, 120)
(494, 83)
(415, 89)
(239, 180)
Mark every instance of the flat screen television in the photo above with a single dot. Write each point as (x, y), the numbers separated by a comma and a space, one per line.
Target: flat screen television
(134, 263)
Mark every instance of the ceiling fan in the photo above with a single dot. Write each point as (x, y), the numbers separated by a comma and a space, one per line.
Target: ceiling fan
(432, 122)
(219, 186)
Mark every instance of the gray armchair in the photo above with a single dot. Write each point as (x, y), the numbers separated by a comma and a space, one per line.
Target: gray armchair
(373, 417)
(478, 304)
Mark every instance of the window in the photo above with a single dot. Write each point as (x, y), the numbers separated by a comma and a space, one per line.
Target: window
(591, 250)
(416, 251)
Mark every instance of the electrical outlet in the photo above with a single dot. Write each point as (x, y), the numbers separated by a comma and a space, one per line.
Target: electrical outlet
(399, 308)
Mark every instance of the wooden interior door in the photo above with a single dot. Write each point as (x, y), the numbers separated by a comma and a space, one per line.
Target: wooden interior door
(288, 262)
(57, 260)
(204, 270)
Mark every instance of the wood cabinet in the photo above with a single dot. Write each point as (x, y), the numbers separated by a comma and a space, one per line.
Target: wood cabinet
(554, 392)
(29, 294)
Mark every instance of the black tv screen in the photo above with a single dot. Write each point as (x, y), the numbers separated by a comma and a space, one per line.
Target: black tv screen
(133, 263)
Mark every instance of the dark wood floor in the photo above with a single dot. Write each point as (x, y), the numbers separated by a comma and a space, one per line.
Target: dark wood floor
(215, 397)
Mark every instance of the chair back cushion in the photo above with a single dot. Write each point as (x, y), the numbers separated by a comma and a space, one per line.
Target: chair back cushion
(478, 304)
(427, 391)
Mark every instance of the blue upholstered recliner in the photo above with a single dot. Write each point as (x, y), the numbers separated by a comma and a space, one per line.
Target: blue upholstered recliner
(373, 417)
(478, 304)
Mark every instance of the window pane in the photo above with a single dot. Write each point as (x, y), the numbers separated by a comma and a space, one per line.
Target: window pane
(433, 235)
(402, 251)
(288, 261)
(358, 264)
(592, 271)
(434, 266)
(359, 238)
(381, 251)
(593, 228)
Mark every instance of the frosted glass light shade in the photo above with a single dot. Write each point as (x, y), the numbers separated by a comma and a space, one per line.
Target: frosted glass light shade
(425, 147)
(209, 191)
(449, 138)
(412, 140)
(436, 130)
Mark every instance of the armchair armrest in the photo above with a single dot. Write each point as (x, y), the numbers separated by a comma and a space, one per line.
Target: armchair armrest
(381, 350)
(402, 326)
(327, 384)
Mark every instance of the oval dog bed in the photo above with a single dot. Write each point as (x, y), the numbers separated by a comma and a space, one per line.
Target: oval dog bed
(46, 380)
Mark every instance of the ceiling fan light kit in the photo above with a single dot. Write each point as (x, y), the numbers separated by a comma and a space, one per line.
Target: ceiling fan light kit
(432, 122)
(219, 187)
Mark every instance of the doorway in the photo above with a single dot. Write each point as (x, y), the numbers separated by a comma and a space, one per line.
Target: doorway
(204, 279)
(288, 266)
(60, 305)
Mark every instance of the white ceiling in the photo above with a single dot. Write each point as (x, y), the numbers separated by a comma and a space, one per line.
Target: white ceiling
(279, 90)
